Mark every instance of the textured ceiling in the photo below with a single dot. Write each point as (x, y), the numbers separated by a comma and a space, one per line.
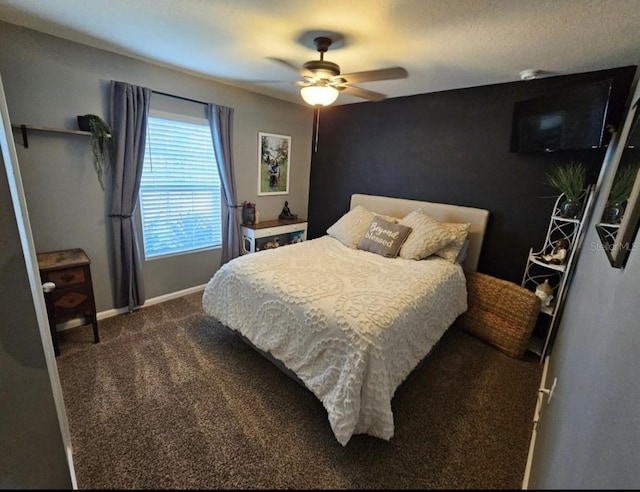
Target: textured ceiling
(443, 44)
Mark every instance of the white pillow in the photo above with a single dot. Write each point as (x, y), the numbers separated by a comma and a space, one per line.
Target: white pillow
(349, 228)
(427, 236)
(459, 231)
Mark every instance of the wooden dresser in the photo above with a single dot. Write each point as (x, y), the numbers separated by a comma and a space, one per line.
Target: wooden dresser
(71, 295)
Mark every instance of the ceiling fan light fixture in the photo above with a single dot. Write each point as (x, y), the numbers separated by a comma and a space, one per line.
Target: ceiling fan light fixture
(319, 95)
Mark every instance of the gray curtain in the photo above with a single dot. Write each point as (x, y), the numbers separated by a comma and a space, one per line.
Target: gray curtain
(221, 123)
(129, 114)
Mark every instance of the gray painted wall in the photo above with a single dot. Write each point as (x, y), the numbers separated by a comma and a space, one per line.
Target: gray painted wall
(589, 433)
(49, 81)
(32, 451)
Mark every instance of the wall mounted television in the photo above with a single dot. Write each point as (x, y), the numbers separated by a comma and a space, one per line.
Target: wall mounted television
(571, 119)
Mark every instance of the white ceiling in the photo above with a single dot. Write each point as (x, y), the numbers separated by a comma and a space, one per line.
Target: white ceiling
(443, 44)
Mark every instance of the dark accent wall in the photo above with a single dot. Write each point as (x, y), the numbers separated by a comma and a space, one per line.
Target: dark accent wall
(451, 147)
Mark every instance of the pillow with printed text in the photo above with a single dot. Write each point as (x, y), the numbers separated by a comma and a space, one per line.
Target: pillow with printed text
(383, 237)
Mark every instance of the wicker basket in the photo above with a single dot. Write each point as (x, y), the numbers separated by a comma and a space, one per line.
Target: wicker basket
(500, 313)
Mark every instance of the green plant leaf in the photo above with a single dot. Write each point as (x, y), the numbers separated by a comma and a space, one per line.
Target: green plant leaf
(569, 179)
(623, 184)
(101, 146)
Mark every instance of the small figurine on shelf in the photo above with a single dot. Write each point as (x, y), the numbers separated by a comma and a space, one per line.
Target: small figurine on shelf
(559, 253)
(286, 213)
(545, 292)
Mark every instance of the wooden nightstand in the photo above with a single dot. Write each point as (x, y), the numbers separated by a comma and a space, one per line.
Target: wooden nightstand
(71, 296)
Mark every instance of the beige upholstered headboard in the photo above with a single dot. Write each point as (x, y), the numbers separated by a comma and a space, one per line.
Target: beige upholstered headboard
(399, 207)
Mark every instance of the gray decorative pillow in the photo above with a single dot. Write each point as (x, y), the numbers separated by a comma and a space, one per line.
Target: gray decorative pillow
(459, 231)
(349, 228)
(427, 237)
(389, 218)
(384, 237)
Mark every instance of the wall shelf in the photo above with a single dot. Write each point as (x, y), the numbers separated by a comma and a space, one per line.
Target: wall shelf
(25, 129)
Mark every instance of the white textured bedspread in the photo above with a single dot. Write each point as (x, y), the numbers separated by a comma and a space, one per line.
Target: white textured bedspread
(351, 324)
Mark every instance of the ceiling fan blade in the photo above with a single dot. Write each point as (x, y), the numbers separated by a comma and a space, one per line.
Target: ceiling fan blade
(372, 75)
(302, 71)
(357, 91)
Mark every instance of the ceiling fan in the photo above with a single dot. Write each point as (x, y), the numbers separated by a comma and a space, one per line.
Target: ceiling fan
(323, 81)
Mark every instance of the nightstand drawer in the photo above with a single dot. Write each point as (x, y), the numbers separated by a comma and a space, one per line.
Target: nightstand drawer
(283, 229)
(70, 302)
(67, 277)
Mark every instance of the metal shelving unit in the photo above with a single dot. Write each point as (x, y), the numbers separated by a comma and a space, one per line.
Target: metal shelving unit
(538, 270)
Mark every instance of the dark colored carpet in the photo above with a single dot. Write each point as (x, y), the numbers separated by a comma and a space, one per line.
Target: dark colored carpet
(171, 399)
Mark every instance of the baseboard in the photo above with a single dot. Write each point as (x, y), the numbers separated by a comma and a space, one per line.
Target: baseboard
(110, 313)
(536, 419)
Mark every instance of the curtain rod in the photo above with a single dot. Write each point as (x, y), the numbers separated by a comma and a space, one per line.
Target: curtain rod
(179, 97)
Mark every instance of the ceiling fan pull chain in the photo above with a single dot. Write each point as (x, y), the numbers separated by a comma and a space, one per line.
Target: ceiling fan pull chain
(317, 128)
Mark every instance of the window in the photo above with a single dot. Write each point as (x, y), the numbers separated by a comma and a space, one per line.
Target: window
(180, 203)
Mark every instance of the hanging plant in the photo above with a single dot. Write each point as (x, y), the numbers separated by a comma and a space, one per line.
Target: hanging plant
(101, 143)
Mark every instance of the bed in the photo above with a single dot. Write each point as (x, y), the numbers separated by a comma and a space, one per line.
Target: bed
(351, 325)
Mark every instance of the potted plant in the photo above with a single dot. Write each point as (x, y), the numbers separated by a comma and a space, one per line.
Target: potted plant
(619, 193)
(101, 143)
(570, 180)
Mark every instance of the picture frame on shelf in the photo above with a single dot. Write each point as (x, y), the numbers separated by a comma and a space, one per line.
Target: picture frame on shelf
(274, 160)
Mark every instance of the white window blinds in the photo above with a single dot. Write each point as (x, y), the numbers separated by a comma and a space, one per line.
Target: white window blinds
(180, 202)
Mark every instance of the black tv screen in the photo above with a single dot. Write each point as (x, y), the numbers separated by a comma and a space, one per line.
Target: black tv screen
(569, 120)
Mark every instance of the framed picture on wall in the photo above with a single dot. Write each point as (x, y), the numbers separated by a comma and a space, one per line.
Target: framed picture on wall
(274, 155)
